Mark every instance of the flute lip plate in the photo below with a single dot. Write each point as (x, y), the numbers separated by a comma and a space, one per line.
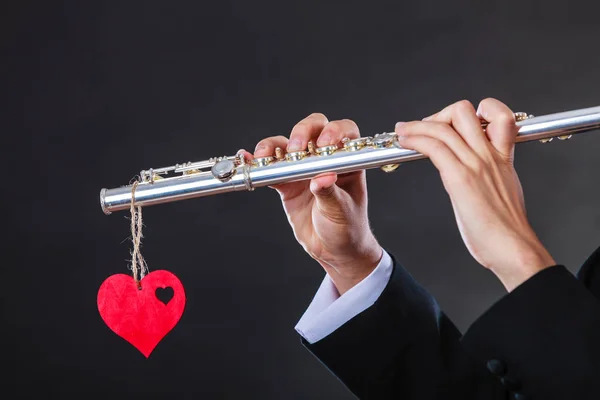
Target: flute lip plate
(103, 202)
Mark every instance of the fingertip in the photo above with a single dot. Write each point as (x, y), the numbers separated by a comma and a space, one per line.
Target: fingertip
(335, 131)
(247, 155)
(314, 186)
(324, 140)
(479, 112)
(318, 190)
(295, 144)
(492, 109)
(329, 135)
(261, 149)
(323, 183)
(464, 106)
(404, 142)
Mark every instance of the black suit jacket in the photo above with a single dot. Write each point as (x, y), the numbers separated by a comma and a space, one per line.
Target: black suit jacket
(541, 341)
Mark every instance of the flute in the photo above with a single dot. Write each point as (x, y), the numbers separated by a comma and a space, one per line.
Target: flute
(234, 173)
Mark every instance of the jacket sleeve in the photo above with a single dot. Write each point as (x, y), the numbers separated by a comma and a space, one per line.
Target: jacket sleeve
(541, 341)
(544, 337)
(404, 347)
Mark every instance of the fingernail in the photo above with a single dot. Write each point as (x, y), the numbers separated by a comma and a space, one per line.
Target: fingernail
(240, 151)
(426, 118)
(294, 145)
(399, 124)
(259, 147)
(324, 141)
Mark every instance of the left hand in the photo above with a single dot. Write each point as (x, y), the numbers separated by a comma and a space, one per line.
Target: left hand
(477, 171)
(328, 213)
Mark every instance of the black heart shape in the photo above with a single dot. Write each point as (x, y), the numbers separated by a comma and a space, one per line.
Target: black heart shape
(164, 294)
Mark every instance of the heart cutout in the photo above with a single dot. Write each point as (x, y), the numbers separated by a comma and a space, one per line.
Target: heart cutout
(137, 314)
(164, 294)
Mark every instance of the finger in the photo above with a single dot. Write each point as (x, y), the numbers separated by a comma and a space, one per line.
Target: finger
(335, 131)
(331, 201)
(441, 132)
(266, 147)
(354, 183)
(323, 182)
(463, 118)
(502, 129)
(247, 155)
(332, 134)
(307, 129)
(440, 155)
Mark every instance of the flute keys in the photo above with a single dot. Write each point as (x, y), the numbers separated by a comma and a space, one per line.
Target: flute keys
(522, 116)
(382, 140)
(263, 161)
(240, 159)
(355, 144)
(561, 137)
(279, 154)
(223, 169)
(389, 167)
(326, 150)
(295, 155)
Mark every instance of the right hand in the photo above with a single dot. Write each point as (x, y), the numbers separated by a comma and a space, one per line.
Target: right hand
(476, 167)
(328, 213)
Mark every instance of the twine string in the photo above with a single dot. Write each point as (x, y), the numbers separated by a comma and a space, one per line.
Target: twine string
(138, 263)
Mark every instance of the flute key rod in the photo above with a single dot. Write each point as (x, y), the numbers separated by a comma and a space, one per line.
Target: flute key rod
(233, 173)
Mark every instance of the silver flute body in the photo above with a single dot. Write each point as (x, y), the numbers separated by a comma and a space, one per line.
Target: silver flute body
(234, 173)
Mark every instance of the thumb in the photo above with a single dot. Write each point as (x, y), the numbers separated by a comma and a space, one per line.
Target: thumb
(329, 197)
(501, 130)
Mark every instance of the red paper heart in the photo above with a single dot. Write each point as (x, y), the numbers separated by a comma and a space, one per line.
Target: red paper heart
(137, 315)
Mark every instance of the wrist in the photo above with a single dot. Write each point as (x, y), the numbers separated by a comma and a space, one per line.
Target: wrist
(528, 262)
(351, 269)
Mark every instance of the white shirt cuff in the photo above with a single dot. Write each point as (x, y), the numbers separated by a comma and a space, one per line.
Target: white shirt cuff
(328, 310)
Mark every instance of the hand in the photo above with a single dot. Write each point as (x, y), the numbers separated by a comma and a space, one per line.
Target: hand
(328, 214)
(477, 171)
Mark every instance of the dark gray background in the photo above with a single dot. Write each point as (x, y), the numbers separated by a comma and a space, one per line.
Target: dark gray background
(95, 91)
